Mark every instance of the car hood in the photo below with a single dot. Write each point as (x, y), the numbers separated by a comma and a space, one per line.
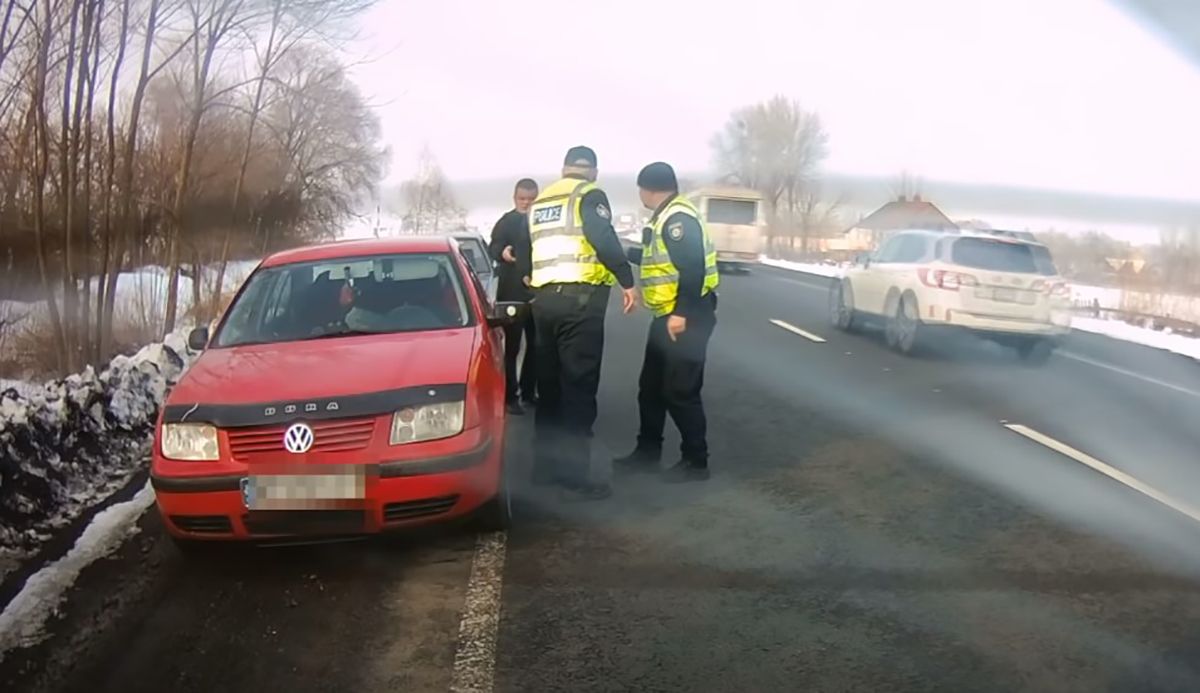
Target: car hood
(326, 367)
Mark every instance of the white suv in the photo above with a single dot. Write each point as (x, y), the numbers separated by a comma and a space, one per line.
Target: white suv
(1000, 285)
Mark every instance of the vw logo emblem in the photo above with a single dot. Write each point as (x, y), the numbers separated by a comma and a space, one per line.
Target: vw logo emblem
(298, 438)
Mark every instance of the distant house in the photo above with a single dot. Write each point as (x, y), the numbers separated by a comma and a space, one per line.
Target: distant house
(897, 215)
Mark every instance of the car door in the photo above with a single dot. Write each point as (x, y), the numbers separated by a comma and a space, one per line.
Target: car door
(870, 284)
(476, 255)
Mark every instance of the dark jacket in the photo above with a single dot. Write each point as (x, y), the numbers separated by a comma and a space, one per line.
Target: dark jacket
(512, 229)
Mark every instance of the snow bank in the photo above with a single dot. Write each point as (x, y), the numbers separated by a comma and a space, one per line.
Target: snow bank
(1117, 329)
(807, 268)
(22, 624)
(70, 443)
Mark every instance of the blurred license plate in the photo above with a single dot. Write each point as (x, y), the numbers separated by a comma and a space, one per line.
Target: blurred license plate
(302, 491)
(1005, 295)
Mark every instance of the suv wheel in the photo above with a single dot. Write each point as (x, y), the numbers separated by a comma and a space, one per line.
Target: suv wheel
(841, 306)
(904, 326)
(1035, 351)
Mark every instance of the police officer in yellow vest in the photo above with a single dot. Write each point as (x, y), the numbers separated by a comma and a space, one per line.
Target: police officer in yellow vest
(679, 281)
(577, 257)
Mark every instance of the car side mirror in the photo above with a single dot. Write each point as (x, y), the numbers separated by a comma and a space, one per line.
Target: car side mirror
(506, 313)
(198, 339)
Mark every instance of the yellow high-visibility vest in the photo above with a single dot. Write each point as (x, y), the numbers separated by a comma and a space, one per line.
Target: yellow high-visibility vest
(561, 253)
(660, 277)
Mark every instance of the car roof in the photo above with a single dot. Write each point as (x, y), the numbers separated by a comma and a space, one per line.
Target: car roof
(399, 245)
(993, 235)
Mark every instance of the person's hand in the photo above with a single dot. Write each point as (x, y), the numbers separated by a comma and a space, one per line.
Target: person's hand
(507, 254)
(527, 280)
(629, 299)
(676, 325)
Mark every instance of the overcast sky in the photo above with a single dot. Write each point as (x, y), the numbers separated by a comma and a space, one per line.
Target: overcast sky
(1067, 94)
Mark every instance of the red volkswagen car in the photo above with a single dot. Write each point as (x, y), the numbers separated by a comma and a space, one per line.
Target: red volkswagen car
(349, 388)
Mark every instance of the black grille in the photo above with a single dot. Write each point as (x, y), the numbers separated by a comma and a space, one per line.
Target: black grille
(408, 510)
(203, 524)
(305, 521)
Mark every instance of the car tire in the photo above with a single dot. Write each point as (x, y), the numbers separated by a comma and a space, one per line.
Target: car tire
(496, 514)
(1036, 352)
(904, 327)
(841, 307)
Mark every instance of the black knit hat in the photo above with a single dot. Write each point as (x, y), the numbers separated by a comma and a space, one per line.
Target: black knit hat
(658, 177)
(580, 156)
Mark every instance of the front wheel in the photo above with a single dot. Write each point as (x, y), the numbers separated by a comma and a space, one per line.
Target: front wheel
(841, 306)
(904, 329)
(496, 514)
(1035, 351)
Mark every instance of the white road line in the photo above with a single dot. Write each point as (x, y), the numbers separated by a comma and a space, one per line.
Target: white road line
(475, 657)
(1107, 470)
(792, 328)
(1131, 374)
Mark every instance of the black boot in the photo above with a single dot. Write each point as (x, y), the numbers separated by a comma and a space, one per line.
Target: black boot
(686, 470)
(642, 459)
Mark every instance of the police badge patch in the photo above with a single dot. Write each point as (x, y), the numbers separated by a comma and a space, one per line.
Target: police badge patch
(675, 231)
(603, 212)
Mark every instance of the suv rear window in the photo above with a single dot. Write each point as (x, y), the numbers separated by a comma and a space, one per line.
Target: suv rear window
(732, 211)
(1002, 256)
(345, 296)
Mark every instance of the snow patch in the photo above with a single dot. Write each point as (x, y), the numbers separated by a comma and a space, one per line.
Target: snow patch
(806, 267)
(22, 624)
(1117, 329)
(67, 444)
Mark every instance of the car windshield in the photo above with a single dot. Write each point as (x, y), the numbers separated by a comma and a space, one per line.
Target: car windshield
(1002, 256)
(725, 211)
(347, 296)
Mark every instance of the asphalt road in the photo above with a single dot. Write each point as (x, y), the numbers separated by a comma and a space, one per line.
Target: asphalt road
(872, 524)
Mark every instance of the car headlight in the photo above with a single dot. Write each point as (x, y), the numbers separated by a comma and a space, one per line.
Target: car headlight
(427, 422)
(187, 441)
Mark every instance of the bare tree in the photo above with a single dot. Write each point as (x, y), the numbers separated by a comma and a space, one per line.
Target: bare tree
(775, 147)
(429, 203)
(291, 24)
(105, 168)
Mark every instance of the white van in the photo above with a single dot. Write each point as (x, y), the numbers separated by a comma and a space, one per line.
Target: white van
(736, 220)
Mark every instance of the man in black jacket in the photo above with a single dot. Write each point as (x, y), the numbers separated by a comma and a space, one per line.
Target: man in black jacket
(510, 249)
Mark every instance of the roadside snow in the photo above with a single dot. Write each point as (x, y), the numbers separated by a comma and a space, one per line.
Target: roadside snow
(22, 624)
(807, 268)
(1117, 329)
(67, 444)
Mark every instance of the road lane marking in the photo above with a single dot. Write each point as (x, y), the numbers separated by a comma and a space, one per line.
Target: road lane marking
(1107, 470)
(1117, 369)
(792, 328)
(475, 656)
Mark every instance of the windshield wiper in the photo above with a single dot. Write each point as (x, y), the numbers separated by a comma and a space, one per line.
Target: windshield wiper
(344, 333)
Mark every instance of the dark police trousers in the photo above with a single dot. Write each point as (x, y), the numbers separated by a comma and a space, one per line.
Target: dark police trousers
(512, 349)
(570, 335)
(671, 380)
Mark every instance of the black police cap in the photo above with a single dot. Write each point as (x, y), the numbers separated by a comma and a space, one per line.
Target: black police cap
(658, 177)
(580, 156)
